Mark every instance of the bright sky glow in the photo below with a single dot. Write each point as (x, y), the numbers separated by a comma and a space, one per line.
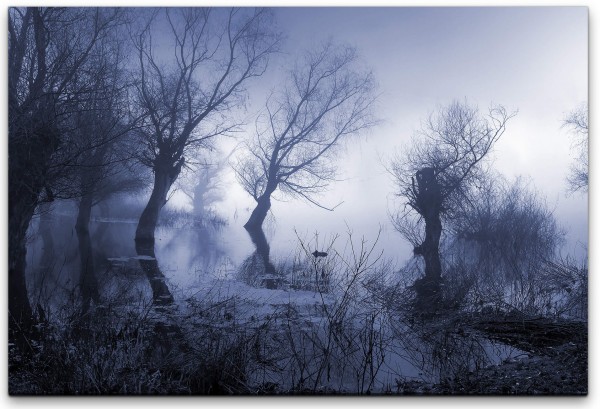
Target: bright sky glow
(534, 59)
(529, 59)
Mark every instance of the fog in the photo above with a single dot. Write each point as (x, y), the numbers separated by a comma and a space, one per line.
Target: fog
(298, 200)
(423, 58)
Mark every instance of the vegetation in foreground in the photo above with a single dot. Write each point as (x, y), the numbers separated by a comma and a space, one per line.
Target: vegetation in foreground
(337, 338)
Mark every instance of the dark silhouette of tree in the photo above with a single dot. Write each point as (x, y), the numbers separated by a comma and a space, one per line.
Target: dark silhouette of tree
(436, 174)
(506, 232)
(577, 122)
(504, 246)
(104, 131)
(206, 190)
(326, 100)
(257, 269)
(203, 183)
(161, 295)
(188, 92)
(47, 49)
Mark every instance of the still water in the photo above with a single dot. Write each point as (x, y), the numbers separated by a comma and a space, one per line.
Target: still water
(207, 263)
(188, 255)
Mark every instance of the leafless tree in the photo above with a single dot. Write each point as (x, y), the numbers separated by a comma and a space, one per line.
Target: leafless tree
(435, 175)
(506, 232)
(47, 48)
(203, 182)
(207, 190)
(577, 122)
(508, 247)
(104, 131)
(506, 242)
(326, 100)
(188, 92)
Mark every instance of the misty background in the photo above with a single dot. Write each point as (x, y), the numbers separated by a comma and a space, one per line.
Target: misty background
(529, 59)
(318, 204)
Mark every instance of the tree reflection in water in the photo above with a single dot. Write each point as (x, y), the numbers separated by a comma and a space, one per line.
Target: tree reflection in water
(443, 349)
(88, 283)
(160, 292)
(257, 269)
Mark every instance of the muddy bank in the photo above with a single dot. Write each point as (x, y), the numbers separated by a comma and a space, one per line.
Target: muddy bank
(556, 362)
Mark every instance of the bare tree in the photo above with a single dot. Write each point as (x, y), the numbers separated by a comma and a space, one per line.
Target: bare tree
(203, 183)
(436, 174)
(104, 133)
(506, 232)
(577, 122)
(326, 100)
(47, 48)
(506, 241)
(186, 97)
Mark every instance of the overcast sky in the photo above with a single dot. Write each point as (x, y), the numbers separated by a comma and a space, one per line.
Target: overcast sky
(530, 59)
(533, 59)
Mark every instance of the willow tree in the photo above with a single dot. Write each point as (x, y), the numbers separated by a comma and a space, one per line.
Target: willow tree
(47, 49)
(103, 133)
(327, 99)
(189, 85)
(436, 173)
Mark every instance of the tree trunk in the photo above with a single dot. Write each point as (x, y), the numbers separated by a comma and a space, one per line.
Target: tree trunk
(84, 214)
(263, 204)
(431, 247)
(87, 280)
(259, 239)
(429, 203)
(165, 174)
(46, 231)
(199, 190)
(160, 292)
(19, 309)
(428, 288)
(29, 159)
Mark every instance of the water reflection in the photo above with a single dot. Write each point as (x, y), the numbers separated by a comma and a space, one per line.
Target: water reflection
(197, 253)
(107, 264)
(441, 350)
(46, 234)
(53, 262)
(147, 258)
(258, 269)
(88, 282)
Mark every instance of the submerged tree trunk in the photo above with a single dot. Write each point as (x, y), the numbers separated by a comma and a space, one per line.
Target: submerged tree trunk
(19, 309)
(165, 173)
(431, 247)
(166, 169)
(254, 228)
(87, 280)
(29, 159)
(149, 218)
(259, 213)
(147, 258)
(48, 258)
(259, 239)
(429, 203)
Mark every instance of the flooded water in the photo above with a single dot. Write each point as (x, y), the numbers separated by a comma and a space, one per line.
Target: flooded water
(186, 255)
(225, 262)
